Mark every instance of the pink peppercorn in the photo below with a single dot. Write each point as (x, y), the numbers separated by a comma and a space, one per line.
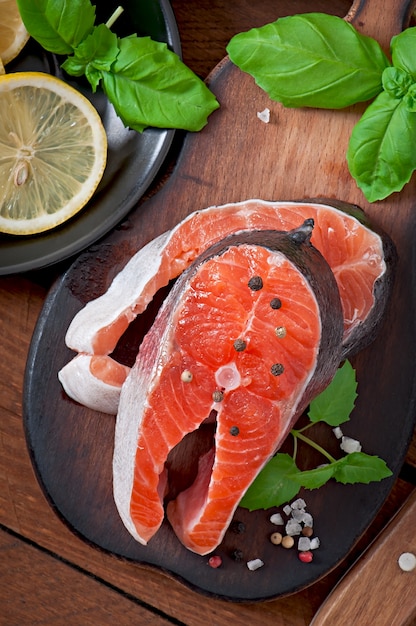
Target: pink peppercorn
(215, 561)
(306, 557)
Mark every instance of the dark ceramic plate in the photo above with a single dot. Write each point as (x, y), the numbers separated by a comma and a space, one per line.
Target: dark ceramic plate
(133, 158)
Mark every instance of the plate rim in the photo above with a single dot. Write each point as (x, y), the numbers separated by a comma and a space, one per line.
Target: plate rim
(73, 247)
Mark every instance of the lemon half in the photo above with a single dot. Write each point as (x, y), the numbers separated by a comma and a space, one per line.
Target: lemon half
(13, 34)
(53, 152)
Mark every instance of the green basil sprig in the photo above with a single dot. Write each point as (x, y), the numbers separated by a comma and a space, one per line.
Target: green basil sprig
(281, 479)
(312, 60)
(146, 82)
(381, 153)
(319, 60)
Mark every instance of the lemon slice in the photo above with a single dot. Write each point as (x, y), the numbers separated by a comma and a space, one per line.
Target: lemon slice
(53, 152)
(13, 34)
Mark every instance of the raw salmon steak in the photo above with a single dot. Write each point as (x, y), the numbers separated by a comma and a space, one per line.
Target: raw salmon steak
(360, 258)
(249, 333)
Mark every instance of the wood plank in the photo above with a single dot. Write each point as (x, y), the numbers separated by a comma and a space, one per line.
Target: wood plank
(208, 27)
(24, 509)
(392, 601)
(20, 307)
(289, 172)
(411, 454)
(22, 505)
(36, 588)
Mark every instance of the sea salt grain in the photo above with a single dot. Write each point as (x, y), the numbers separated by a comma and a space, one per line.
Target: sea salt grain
(298, 504)
(264, 116)
(302, 517)
(337, 432)
(349, 445)
(315, 543)
(298, 515)
(277, 519)
(304, 544)
(254, 564)
(307, 519)
(287, 510)
(407, 561)
(293, 527)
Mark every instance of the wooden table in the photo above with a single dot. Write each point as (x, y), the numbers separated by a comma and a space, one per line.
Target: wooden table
(49, 575)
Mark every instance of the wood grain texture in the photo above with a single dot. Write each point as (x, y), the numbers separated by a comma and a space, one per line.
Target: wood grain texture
(299, 154)
(393, 602)
(37, 588)
(23, 507)
(207, 27)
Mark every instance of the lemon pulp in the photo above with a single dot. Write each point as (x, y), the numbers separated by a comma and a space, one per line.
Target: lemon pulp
(53, 150)
(13, 34)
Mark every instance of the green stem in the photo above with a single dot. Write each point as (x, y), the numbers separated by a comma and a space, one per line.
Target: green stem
(313, 444)
(114, 17)
(295, 445)
(301, 430)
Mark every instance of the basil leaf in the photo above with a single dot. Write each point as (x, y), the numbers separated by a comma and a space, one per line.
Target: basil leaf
(274, 485)
(58, 26)
(98, 51)
(312, 60)
(335, 403)
(315, 478)
(149, 85)
(359, 467)
(396, 82)
(356, 467)
(402, 51)
(381, 153)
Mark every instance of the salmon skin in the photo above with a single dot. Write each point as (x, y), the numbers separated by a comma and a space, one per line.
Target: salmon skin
(249, 333)
(360, 258)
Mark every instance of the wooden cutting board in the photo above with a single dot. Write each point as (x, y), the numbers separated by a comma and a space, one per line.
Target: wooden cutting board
(299, 154)
(377, 590)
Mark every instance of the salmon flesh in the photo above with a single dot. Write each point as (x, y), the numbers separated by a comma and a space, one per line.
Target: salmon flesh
(360, 259)
(247, 336)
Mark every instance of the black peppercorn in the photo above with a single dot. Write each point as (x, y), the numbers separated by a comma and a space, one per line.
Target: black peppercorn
(255, 283)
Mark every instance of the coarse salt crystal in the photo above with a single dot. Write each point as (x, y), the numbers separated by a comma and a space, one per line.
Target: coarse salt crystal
(349, 445)
(298, 504)
(293, 527)
(407, 561)
(315, 543)
(264, 116)
(298, 515)
(337, 432)
(302, 517)
(254, 564)
(304, 544)
(277, 519)
(287, 509)
(307, 519)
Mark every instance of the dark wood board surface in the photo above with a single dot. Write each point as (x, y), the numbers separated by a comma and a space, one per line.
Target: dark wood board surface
(299, 154)
(378, 568)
